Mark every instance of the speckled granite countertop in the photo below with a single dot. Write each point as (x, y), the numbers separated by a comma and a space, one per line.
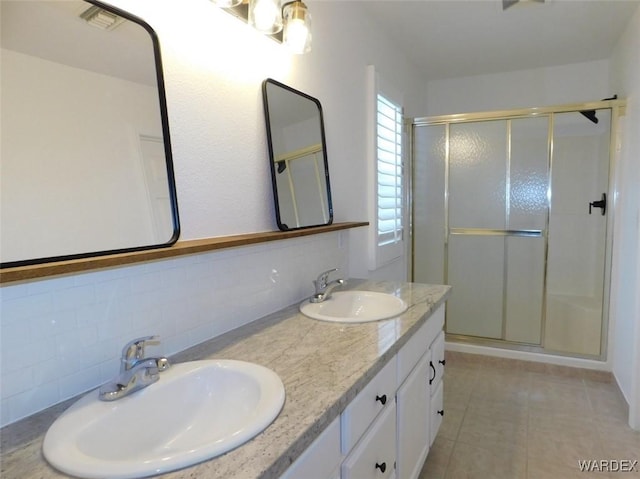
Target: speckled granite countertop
(323, 366)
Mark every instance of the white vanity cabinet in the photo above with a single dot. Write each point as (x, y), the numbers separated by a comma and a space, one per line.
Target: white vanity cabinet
(420, 371)
(386, 430)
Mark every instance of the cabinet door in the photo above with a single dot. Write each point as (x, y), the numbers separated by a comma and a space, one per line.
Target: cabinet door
(374, 456)
(437, 411)
(413, 403)
(322, 457)
(437, 357)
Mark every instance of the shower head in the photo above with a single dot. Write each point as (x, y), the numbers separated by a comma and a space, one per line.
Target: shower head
(591, 114)
(510, 3)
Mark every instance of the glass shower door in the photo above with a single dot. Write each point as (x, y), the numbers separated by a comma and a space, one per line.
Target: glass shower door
(513, 213)
(498, 181)
(477, 199)
(577, 233)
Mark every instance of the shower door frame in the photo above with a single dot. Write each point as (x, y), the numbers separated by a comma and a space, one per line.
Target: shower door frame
(618, 109)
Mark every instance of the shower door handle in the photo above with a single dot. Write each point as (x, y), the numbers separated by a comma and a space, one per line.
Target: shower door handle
(599, 204)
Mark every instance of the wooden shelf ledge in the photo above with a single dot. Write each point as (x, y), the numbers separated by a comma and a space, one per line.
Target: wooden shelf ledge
(181, 248)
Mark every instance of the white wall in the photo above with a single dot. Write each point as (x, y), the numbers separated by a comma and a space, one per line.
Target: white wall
(62, 336)
(575, 83)
(625, 78)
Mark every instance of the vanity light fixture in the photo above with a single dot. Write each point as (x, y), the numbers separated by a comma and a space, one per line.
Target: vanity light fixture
(227, 3)
(297, 27)
(289, 23)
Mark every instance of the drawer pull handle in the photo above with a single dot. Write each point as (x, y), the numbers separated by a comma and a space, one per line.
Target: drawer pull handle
(382, 467)
(443, 361)
(441, 412)
(383, 400)
(434, 372)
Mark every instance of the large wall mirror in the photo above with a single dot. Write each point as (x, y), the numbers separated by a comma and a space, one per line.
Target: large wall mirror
(85, 154)
(298, 157)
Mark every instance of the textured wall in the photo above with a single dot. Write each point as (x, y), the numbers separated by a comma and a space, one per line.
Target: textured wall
(626, 278)
(62, 336)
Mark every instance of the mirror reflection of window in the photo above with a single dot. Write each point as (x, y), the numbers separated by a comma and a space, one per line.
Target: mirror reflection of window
(85, 159)
(297, 152)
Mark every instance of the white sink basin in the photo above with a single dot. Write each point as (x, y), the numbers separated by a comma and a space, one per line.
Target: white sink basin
(196, 411)
(355, 307)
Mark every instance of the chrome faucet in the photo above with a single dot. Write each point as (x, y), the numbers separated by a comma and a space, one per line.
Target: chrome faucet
(136, 371)
(324, 288)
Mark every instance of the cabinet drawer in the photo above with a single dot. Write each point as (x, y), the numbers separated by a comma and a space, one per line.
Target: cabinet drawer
(361, 412)
(436, 323)
(437, 411)
(374, 457)
(419, 343)
(411, 352)
(321, 459)
(437, 357)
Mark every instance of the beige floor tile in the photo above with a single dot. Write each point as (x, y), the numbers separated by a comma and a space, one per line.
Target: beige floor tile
(546, 378)
(607, 403)
(618, 420)
(502, 387)
(563, 450)
(498, 408)
(500, 390)
(437, 461)
(559, 397)
(604, 377)
(504, 365)
(542, 382)
(561, 423)
(539, 469)
(466, 361)
(451, 423)
(456, 397)
(488, 431)
(620, 442)
(474, 462)
(460, 373)
(517, 420)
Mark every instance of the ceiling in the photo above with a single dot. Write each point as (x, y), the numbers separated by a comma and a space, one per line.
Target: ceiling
(53, 30)
(454, 38)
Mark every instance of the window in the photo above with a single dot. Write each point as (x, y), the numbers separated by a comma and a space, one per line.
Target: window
(389, 172)
(387, 210)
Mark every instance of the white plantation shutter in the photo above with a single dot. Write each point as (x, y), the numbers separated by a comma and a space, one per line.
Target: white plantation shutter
(389, 172)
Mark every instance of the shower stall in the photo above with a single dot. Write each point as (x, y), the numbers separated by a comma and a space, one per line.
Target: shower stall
(512, 209)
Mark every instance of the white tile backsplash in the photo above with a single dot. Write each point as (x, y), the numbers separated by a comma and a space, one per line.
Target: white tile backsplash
(62, 336)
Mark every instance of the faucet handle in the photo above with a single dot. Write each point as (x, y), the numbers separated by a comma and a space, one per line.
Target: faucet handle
(134, 351)
(321, 282)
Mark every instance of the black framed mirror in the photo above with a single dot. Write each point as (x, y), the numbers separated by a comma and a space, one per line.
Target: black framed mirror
(297, 157)
(85, 154)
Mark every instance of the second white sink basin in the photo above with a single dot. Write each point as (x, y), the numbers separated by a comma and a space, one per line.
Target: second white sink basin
(355, 307)
(196, 411)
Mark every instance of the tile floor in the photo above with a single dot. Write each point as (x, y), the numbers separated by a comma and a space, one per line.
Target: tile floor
(521, 420)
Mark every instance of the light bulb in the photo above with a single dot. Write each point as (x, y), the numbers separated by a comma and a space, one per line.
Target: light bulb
(297, 30)
(265, 15)
(295, 36)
